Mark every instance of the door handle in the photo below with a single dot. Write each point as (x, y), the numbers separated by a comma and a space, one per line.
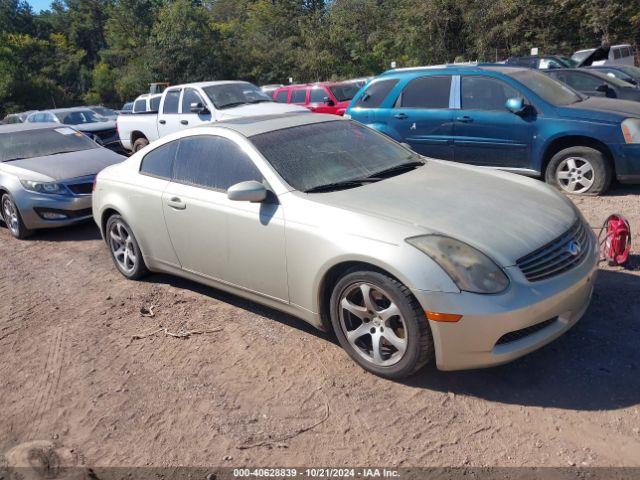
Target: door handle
(162, 122)
(401, 116)
(464, 119)
(184, 122)
(176, 203)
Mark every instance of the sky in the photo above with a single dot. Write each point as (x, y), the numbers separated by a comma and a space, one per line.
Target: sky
(39, 4)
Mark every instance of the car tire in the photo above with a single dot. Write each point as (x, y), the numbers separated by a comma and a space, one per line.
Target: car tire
(12, 218)
(139, 144)
(579, 171)
(403, 336)
(124, 248)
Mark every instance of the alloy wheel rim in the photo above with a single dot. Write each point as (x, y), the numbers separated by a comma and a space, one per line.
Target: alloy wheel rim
(121, 243)
(373, 324)
(575, 175)
(11, 215)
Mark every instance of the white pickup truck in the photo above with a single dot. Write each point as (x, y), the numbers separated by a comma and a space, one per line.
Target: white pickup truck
(184, 106)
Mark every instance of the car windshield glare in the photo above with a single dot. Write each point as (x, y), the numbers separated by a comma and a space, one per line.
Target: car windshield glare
(344, 91)
(310, 156)
(79, 117)
(228, 95)
(547, 88)
(42, 143)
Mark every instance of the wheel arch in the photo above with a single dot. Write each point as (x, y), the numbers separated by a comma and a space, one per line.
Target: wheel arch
(136, 135)
(567, 141)
(333, 275)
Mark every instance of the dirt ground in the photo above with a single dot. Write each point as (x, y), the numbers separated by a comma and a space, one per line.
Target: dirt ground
(262, 388)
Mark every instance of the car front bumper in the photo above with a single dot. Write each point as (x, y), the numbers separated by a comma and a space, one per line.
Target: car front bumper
(32, 207)
(496, 329)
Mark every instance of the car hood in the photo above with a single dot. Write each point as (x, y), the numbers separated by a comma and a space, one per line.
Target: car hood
(95, 127)
(504, 215)
(602, 108)
(66, 166)
(266, 108)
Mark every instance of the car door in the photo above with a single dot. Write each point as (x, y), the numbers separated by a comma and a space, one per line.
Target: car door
(485, 132)
(422, 116)
(317, 103)
(169, 115)
(238, 243)
(188, 118)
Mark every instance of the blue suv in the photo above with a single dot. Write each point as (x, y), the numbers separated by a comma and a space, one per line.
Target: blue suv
(511, 118)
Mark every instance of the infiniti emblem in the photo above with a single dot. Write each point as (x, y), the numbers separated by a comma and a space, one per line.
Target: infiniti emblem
(573, 248)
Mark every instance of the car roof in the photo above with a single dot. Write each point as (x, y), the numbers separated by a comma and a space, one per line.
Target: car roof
(315, 84)
(20, 127)
(255, 125)
(206, 84)
(65, 110)
(454, 68)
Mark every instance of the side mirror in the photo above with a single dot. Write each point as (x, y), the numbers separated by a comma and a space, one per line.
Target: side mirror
(198, 108)
(604, 88)
(515, 105)
(250, 191)
(328, 101)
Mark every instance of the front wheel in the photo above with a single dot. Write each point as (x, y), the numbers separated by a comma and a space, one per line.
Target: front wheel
(579, 170)
(380, 324)
(12, 218)
(124, 249)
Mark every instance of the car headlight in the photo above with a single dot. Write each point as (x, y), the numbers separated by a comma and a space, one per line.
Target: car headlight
(631, 130)
(43, 187)
(468, 267)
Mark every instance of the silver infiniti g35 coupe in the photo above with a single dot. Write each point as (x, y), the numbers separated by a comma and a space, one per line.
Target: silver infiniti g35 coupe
(405, 258)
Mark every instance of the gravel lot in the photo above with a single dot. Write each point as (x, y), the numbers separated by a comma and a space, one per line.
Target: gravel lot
(262, 388)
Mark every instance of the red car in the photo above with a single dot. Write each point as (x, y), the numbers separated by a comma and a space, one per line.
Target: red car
(325, 97)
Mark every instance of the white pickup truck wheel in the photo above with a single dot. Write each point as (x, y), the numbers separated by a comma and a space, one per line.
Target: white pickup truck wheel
(139, 144)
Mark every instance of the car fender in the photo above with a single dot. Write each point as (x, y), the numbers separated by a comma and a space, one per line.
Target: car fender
(386, 129)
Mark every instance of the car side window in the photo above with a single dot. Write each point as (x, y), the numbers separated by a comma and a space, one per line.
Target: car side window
(140, 105)
(484, 93)
(299, 95)
(617, 53)
(159, 162)
(190, 96)
(154, 104)
(171, 101)
(426, 93)
(213, 162)
(317, 95)
(281, 96)
(580, 81)
(375, 93)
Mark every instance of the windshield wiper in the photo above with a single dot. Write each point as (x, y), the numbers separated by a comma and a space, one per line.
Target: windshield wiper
(233, 104)
(260, 100)
(328, 187)
(397, 168)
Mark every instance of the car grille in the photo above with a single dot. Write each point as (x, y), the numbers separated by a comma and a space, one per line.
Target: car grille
(81, 188)
(106, 134)
(524, 332)
(558, 256)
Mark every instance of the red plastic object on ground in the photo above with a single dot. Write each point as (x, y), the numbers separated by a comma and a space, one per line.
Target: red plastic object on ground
(616, 244)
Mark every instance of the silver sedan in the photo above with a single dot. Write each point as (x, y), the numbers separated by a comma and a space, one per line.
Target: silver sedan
(406, 259)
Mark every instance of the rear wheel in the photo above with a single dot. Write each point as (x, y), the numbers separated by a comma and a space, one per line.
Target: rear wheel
(579, 170)
(139, 144)
(380, 324)
(124, 248)
(12, 218)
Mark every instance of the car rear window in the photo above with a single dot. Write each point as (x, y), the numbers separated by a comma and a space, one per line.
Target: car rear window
(376, 92)
(42, 143)
(299, 95)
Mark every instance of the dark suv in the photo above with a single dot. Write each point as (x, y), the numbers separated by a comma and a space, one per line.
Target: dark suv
(511, 118)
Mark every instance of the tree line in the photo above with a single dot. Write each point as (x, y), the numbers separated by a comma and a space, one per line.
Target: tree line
(108, 51)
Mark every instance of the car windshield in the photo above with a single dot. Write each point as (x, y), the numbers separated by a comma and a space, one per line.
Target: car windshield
(79, 117)
(611, 79)
(579, 56)
(329, 153)
(547, 88)
(633, 72)
(567, 62)
(227, 95)
(104, 111)
(344, 91)
(42, 143)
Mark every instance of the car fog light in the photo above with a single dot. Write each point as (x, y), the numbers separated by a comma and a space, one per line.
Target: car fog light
(53, 216)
